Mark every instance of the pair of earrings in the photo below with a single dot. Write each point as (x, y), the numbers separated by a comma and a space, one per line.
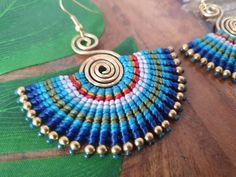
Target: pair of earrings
(120, 103)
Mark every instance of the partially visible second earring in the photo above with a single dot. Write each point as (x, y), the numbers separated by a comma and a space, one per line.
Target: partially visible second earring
(216, 51)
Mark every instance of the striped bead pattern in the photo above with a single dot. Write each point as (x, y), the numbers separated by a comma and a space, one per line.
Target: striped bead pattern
(120, 118)
(215, 51)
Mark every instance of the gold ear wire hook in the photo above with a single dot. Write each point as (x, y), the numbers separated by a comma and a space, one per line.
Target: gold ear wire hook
(78, 26)
(203, 4)
(83, 43)
(210, 10)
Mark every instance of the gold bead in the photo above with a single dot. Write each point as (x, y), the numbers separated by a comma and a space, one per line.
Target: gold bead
(158, 130)
(127, 147)
(53, 135)
(181, 87)
(36, 121)
(184, 48)
(177, 62)
(20, 90)
(177, 106)
(179, 70)
(44, 129)
(172, 113)
(181, 79)
(226, 73)
(89, 149)
(173, 54)
(116, 149)
(23, 98)
(75, 145)
(31, 113)
(190, 52)
(148, 136)
(203, 61)
(64, 140)
(219, 69)
(139, 142)
(27, 105)
(180, 96)
(196, 57)
(210, 66)
(171, 48)
(101, 149)
(165, 124)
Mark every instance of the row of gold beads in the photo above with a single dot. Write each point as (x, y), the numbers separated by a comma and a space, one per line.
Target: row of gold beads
(181, 86)
(209, 65)
(75, 145)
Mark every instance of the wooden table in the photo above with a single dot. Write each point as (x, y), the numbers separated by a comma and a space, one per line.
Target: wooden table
(203, 142)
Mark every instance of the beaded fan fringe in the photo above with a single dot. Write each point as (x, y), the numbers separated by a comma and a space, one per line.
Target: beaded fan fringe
(215, 51)
(118, 119)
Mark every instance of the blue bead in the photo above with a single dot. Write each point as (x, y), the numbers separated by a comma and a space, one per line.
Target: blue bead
(116, 156)
(49, 141)
(101, 155)
(32, 126)
(15, 92)
(167, 130)
(208, 69)
(234, 80)
(161, 135)
(40, 134)
(127, 153)
(139, 148)
(201, 64)
(225, 77)
(216, 74)
(193, 60)
(177, 117)
(87, 155)
(28, 119)
(60, 146)
(151, 142)
(18, 101)
(72, 152)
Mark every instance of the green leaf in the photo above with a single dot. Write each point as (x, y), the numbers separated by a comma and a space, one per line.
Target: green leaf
(72, 166)
(128, 46)
(37, 31)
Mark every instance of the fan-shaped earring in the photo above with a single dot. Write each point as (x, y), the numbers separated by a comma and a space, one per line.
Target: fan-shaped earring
(113, 103)
(216, 51)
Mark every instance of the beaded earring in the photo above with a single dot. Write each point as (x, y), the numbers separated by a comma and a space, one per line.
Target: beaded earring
(216, 51)
(113, 103)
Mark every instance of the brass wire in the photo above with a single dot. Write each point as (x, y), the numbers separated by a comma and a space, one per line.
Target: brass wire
(82, 44)
(228, 24)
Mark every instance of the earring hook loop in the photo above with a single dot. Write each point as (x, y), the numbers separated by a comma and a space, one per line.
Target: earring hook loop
(78, 26)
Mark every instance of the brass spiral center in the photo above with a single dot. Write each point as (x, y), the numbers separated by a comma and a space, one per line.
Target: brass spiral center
(102, 70)
(228, 24)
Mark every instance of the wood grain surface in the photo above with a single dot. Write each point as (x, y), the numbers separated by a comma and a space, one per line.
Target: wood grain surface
(203, 141)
